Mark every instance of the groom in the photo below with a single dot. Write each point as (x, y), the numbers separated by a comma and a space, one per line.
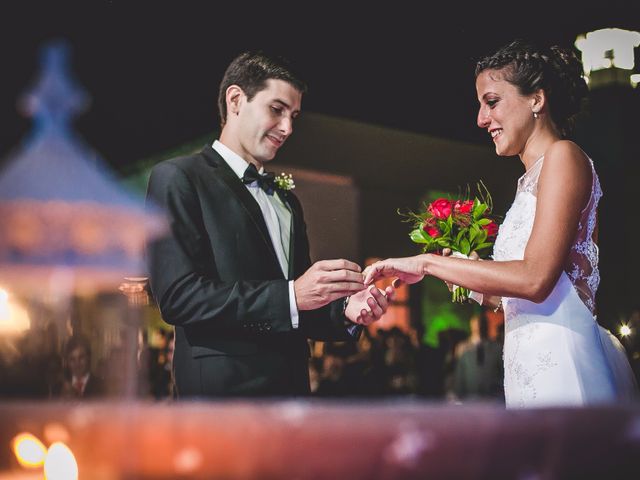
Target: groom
(234, 275)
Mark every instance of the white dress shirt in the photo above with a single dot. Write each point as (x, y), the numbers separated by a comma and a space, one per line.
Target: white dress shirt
(276, 215)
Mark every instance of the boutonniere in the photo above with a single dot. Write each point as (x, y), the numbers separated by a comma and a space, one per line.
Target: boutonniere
(284, 181)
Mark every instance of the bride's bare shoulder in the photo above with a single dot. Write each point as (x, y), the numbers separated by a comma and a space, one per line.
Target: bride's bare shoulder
(565, 158)
(568, 167)
(566, 153)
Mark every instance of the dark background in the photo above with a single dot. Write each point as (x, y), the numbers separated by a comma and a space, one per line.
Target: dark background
(153, 70)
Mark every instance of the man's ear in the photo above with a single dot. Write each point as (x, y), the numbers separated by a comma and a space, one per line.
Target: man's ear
(234, 96)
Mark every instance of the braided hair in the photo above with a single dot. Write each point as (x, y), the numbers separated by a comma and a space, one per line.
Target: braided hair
(555, 70)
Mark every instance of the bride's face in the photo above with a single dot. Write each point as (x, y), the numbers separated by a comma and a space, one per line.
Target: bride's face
(504, 112)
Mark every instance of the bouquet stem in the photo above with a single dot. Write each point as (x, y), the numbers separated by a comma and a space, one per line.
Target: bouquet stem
(459, 294)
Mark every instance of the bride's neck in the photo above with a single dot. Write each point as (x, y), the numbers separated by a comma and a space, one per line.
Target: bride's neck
(537, 144)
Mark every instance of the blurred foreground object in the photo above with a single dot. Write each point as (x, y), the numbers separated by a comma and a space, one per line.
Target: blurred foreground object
(65, 221)
(318, 440)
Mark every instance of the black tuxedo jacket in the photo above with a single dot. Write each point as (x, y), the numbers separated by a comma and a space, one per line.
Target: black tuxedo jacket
(217, 279)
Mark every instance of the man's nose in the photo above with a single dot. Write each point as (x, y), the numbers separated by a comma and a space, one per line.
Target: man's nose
(286, 125)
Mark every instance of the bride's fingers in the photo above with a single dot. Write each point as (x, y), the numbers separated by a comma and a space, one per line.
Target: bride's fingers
(372, 272)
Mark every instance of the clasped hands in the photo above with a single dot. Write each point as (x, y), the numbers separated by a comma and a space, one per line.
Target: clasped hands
(412, 269)
(329, 280)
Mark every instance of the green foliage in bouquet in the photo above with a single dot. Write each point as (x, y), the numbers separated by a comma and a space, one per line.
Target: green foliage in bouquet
(464, 225)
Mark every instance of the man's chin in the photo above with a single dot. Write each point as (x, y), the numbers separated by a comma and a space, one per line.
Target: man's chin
(268, 155)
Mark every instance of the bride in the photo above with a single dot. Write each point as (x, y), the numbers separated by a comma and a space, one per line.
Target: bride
(545, 272)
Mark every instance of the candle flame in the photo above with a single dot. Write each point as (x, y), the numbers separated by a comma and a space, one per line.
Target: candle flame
(29, 451)
(60, 463)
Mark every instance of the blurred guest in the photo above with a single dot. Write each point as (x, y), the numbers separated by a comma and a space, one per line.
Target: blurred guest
(79, 381)
(478, 369)
(399, 360)
(160, 373)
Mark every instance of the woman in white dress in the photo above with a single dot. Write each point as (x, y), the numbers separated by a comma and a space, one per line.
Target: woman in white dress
(545, 269)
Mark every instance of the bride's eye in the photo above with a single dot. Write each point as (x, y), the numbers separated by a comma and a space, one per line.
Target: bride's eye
(492, 103)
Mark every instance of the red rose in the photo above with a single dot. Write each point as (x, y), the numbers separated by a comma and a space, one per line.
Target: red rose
(463, 207)
(440, 208)
(431, 231)
(491, 228)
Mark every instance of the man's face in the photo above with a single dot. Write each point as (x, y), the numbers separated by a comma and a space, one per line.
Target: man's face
(265, 122)
(78, 361)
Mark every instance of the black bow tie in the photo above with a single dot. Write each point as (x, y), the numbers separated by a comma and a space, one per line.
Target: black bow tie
(265, 181)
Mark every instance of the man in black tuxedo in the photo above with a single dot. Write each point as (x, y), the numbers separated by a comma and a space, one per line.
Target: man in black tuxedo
(234, 275)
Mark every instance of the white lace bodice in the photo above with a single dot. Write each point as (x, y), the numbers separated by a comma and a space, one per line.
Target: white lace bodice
(513, 235)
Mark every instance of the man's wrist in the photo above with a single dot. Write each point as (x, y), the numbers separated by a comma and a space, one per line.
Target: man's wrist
(345, 303)
(293, 306)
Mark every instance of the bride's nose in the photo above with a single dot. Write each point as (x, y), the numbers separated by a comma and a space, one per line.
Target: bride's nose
(484, 119)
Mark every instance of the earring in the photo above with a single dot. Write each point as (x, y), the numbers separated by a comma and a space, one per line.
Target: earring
(535, 114)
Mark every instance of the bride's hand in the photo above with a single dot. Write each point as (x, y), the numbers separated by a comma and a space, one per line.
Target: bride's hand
(406, 269)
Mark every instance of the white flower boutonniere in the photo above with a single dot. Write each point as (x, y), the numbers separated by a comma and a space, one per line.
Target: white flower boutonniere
(284, 181)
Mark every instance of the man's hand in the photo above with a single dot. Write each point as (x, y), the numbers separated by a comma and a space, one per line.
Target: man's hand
(326, 281)
(368, 306)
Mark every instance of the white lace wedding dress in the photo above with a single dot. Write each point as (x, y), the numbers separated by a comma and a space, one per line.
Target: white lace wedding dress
(555, 353)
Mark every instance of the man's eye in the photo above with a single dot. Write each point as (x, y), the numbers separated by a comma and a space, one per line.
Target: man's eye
(276, 110)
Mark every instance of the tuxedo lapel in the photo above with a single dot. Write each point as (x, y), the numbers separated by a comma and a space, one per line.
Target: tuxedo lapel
(228, 176)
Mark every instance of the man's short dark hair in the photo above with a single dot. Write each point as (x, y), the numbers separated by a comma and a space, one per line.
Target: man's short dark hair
(250, 71)
(77, 341)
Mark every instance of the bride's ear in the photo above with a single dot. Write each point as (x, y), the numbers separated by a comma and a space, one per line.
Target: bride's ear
(538, 101)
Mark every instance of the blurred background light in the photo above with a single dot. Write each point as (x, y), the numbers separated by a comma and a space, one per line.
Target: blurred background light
(608, 48)
(60, 463)
(625, 330)
(29, 450)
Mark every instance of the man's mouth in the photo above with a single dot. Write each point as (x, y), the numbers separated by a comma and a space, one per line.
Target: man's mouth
(277, 141)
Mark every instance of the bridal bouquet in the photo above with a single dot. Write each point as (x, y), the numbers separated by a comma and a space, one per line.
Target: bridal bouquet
(464, 225)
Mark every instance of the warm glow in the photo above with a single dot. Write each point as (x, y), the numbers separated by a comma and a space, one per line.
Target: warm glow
(13, 318)
(29, 451)
(625, 330)
(606, 48)
(60, 463)
(55, 432)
